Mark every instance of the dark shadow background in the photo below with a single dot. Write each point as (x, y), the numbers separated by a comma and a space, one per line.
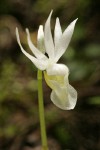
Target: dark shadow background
(78, 129)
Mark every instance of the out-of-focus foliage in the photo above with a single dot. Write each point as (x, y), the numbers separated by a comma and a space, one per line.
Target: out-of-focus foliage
(19, 123)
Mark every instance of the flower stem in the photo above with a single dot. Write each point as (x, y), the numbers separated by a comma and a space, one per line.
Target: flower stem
(41, 111)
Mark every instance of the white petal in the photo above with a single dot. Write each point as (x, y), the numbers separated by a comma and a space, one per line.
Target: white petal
(57, 32)
(64, 100)
(41, 64)
(35, 51)
(58, 69)
(64, 97)
(40, 39)
(61, 103)
(64, 40)
(49, 45)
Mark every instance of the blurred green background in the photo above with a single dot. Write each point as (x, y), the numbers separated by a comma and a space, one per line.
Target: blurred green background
(78, 129)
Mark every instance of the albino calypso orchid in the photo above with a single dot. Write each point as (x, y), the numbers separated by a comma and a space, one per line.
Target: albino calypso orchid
(63, 95)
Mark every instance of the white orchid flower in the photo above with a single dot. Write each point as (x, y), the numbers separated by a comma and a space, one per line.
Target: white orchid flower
(63, 95)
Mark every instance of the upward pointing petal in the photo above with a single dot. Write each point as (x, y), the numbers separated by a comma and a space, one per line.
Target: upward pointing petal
(48, 38)
(57, 33)
(35, 51)
(41, 64)
(40, 39)
(64, 40)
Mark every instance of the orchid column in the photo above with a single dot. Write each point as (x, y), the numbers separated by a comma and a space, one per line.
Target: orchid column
(56, 75)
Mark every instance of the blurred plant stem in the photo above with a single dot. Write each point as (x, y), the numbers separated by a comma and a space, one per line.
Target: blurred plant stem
(41, 111)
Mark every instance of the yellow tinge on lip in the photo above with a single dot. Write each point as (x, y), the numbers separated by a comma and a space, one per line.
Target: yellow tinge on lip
(53, 78)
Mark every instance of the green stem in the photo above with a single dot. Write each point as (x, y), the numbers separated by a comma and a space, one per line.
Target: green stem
(41, 111)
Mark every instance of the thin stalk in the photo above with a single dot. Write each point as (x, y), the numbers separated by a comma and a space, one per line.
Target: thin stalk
(41, 111)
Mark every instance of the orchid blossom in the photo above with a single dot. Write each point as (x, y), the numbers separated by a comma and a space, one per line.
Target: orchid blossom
(63, 95)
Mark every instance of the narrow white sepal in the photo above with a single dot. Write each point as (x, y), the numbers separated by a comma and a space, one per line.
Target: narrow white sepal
(49, 45)
(40, 39)
(40, 64)
(57, 33)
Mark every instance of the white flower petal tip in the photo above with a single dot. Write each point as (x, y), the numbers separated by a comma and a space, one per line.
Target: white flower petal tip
(16, 29)
(57, 33)
(40, 39)
(51, 13)
(75, 20)
(58, 22)
(48, 39)
(70, 28)
(72, 24)
(27, 30)
(18, 39)
(49, 17)
(17, 34)
(40, 33)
